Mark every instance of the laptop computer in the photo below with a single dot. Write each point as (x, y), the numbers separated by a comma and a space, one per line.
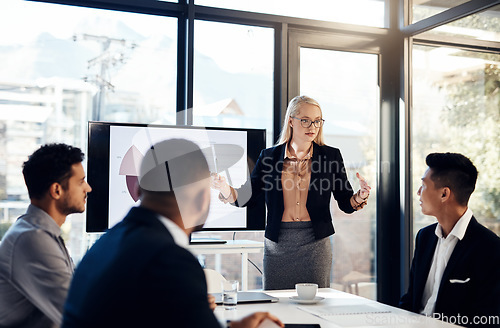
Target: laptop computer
(249, 297)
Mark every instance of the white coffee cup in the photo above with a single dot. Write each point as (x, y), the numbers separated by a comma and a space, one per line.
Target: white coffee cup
(306, 291)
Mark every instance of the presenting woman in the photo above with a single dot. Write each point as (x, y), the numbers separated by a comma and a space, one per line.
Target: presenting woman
(297, 177)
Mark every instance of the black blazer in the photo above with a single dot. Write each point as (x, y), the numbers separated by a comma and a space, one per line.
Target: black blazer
(136, 276)
(476, 257)
(328, 175)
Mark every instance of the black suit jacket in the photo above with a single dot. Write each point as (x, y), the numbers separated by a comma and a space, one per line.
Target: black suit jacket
(476, 257)
(136, 276)
(328, 175)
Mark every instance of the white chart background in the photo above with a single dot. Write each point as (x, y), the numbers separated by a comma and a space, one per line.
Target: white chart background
(123, 137)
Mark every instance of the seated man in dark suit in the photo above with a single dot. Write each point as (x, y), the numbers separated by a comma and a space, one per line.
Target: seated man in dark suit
(139, 274)
(455, 273)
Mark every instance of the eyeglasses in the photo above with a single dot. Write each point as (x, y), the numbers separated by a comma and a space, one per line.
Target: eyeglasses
(306, 123)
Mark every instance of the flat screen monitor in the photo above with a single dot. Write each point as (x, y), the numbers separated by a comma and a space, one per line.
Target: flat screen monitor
(115, 152)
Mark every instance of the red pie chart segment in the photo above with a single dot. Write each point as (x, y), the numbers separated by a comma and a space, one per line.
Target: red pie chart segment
(130, 167)
(133, 186)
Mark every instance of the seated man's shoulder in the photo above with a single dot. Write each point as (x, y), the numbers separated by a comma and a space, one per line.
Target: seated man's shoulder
(427, 231)
(35, 240)
(17, 228)
(482, 251)
(24, 236)
(489, 234)
(486, 237)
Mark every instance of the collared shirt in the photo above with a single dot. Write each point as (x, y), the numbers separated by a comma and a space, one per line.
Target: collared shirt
(442, 254)
(295, 179)
(35, 272)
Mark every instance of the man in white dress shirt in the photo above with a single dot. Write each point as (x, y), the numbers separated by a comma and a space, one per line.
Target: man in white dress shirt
(455, 273)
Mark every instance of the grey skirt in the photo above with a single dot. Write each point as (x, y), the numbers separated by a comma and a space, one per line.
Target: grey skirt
(297, 258)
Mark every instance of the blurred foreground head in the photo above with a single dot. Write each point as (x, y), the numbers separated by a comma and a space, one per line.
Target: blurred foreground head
(175, 182)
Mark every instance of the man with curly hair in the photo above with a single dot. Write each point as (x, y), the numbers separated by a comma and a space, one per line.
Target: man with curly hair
(35, 266)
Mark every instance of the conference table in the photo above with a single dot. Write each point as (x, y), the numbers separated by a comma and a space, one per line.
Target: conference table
(337, 309)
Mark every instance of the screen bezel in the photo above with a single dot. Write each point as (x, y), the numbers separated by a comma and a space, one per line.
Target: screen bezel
(98, 173)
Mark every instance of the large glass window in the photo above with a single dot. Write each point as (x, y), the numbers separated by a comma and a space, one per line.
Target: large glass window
(456, 103)
(425, 9)
(233, 87)
(482, 26)
(69, 65)
(346, 86)
(233, 76)
(359, 12)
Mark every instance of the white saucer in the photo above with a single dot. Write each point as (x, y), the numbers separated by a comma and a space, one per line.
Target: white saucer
(301, 301)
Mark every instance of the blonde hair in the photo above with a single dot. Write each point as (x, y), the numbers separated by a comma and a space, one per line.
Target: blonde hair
(293, 110)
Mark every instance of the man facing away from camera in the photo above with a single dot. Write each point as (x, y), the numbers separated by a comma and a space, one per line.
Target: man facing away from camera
(140, 274)
(455, 273)
(35, 266)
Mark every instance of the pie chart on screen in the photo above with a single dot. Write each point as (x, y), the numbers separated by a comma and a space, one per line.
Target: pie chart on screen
(130, 167)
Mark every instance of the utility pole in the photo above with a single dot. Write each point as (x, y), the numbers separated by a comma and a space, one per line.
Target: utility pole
(105, 60)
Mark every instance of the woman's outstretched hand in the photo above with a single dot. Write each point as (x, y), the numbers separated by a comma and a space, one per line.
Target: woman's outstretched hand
(218, 182)
(364, 188)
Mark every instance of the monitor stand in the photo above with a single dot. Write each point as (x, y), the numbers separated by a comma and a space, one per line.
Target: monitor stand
(205, 241)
